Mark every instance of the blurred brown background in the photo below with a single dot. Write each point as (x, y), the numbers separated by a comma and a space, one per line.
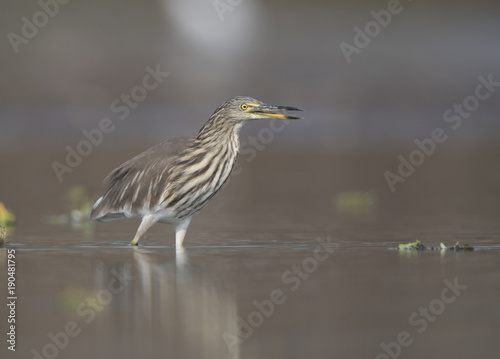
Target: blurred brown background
(428, 57)
(65, 78)
(321, 177)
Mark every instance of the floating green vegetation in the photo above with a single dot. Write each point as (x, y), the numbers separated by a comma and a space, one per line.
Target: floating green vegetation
(3, 234)
(418, 246)
(356, 202)
(412, 246)
(7, 218)
(457, 247)
(80, 205)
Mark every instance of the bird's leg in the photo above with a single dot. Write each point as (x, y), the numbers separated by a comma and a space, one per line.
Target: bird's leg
(147, 222)
(180, 231)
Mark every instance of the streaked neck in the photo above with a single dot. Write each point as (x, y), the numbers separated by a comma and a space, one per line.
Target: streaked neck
(215, 133)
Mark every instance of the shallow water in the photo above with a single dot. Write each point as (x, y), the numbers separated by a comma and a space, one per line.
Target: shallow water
(271, 269)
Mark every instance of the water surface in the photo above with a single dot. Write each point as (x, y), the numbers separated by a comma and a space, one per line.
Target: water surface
(276, 267)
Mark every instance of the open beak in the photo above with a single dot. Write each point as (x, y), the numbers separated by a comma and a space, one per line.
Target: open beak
(274, 111)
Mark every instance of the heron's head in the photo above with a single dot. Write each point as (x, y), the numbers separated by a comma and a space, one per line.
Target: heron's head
(242, 108)
(230, 116)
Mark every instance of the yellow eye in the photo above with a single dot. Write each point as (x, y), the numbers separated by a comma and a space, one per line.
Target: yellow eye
(244, 107)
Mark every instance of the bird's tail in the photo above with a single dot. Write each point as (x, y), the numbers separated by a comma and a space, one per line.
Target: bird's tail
(101, 213)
